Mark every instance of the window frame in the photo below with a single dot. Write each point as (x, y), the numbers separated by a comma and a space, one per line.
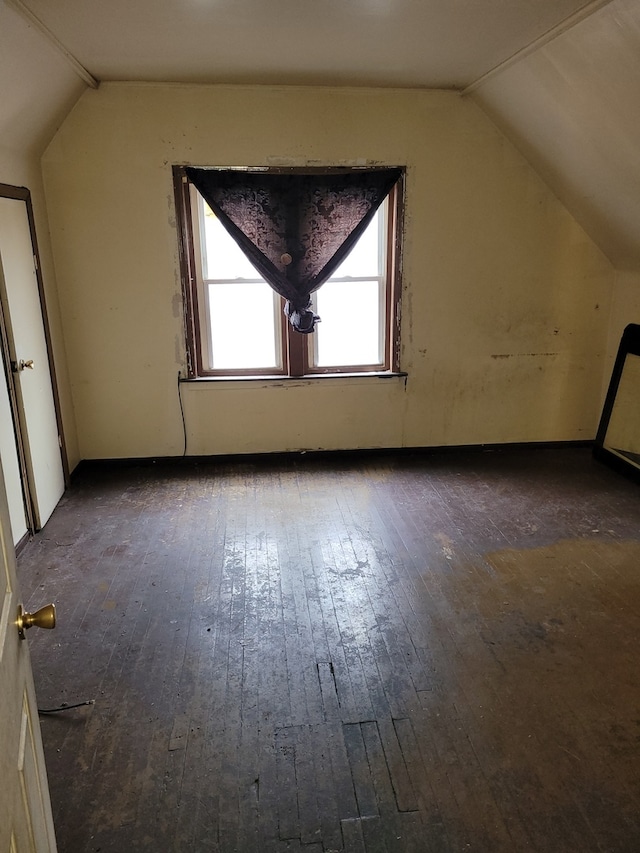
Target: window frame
(295, 347)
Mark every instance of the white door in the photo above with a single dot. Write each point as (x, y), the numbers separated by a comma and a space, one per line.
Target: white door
(26, 824)
(29, 354)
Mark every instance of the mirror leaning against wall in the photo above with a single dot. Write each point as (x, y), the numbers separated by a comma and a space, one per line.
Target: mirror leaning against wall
(618, 440)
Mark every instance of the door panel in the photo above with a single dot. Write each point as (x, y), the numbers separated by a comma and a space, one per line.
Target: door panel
(28, 344)
(26, 824)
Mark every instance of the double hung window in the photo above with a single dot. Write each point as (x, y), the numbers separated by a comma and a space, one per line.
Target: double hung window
(236, 325)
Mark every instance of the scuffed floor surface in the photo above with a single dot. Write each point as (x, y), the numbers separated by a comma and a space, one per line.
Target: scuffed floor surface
(431, 652)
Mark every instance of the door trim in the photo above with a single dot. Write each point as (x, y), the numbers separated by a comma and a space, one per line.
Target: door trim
(27, 497)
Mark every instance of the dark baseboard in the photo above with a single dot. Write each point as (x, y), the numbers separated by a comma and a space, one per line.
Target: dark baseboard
(285, 457)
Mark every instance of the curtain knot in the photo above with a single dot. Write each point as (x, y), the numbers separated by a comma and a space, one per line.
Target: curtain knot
(303, 320)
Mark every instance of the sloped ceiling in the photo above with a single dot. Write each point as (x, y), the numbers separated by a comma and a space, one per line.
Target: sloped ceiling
(425, 43)
(37, 86)
(561, 78)
(573, 109)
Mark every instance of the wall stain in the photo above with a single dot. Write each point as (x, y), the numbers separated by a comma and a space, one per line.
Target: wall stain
(523, 354)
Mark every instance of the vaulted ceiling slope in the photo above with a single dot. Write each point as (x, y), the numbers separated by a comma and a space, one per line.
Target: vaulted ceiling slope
(561, 78)
(424, 43)
(37, 87)
(573, 108)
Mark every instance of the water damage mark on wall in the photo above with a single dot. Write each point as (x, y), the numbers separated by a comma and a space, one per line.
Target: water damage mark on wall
(524, 354)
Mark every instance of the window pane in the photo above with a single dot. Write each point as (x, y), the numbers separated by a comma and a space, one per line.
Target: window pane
(243, 329)
(222, 257)
(349, 333)
(364, 258)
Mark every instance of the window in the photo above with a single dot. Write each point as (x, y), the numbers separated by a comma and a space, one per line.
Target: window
(236, 324)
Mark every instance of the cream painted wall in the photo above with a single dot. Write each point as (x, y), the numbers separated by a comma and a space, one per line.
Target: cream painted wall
(38, 90)
(505, 306)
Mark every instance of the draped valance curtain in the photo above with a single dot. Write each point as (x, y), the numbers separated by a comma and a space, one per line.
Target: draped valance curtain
(295, 227)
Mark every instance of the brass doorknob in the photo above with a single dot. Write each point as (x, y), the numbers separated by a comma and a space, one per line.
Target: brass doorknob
(43, 618)
(28, 364)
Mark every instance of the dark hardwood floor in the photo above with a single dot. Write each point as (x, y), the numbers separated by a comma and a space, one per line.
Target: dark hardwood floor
(433, 652)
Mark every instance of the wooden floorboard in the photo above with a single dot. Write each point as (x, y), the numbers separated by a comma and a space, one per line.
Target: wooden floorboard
(435, 652)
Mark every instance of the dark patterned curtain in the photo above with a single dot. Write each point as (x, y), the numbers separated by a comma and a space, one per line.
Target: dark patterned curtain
(296, 227)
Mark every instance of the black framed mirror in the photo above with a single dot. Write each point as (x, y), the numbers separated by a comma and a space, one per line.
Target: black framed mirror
(618, 440)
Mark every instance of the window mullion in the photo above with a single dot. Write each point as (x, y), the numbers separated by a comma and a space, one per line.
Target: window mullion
(296, 351)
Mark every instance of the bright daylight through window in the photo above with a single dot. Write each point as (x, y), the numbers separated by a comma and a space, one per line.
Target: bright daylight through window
(236, 323)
